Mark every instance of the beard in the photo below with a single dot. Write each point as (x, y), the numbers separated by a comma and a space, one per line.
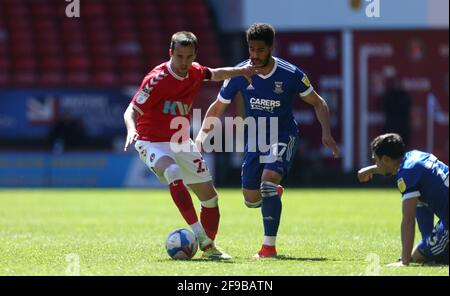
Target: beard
(260, 63)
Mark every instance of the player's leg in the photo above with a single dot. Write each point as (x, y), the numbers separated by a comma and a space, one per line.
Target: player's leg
(209, 212)
(161, 160)
(259, 186)
(271, 211)
(434, 248)
(196, 174)
(252, 198)
(170, 170)
(209, 217)
(251, 175)
(271, 207)
(425, 220)
(416, 256)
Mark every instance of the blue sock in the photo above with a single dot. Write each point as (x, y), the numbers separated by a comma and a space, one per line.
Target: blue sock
(425, 220)
(271, 208)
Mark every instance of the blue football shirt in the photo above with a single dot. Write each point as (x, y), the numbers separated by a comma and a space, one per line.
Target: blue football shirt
(271, 95)
(422, 175)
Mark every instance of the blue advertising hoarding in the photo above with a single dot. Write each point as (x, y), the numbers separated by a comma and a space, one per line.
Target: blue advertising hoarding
(31, 113)
(77, 169)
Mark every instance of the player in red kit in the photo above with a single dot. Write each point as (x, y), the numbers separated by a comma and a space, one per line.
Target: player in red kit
(168, 93)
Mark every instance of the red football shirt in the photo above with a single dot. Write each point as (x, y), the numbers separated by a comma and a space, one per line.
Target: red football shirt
(164, 95)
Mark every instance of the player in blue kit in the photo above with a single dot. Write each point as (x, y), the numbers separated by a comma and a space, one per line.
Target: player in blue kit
(423, 182)
(270, 95)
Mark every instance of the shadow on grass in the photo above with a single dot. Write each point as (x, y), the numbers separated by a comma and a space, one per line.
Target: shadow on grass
(283, 257)
(198, 260)
(238, 260)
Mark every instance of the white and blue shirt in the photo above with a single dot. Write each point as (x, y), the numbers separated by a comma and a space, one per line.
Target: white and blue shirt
(270, 95)
(422, 175)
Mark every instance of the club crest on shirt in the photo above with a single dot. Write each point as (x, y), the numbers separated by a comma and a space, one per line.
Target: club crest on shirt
(143, 95)
(401, 185)
(278, 87)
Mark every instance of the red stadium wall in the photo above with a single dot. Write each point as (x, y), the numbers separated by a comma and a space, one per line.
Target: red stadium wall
(419, 59)
(318, 54)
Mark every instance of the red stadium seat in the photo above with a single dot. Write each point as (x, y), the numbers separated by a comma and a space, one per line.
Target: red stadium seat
(24, 79)
(114, 42)
(51, 78)
(104, 63)
(52, 63)
(49, 49)
(107, 78)
(77, 63)
(4, 63)
(24, 64)
(92, 9)
(4, 79)
(79, 78)
(131, 78)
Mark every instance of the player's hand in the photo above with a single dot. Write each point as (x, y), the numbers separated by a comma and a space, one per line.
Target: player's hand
(396, 264)
(365, 174)
(330, 143)
(131, 137)
(248, 71)
(199, 140)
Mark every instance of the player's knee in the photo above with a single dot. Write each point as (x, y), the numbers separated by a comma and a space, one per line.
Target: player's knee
(268, 189)
(211, 203)
(252, 205)
(252, 198)
(172, 173)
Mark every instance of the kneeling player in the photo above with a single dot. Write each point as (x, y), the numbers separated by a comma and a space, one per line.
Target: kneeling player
(423, 182)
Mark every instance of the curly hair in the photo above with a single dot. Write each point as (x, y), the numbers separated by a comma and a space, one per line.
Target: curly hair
(261, 31)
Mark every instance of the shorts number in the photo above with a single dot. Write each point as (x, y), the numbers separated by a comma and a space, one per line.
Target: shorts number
(201, 165)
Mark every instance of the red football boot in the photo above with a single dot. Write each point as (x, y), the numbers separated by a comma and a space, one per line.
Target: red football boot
(266, 252)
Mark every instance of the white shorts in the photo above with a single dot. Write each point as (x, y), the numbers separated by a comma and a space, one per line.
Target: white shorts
(193, 168)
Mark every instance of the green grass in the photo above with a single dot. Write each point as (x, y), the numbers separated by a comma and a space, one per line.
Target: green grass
(122, 232)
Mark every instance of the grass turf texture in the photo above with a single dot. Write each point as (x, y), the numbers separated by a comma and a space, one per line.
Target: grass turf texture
(123, 232)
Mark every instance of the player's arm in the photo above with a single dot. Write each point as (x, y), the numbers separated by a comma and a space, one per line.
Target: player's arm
(220, 74)
(323, 115)
(408, 228)
(365, 174)
(130, 118)
(214, 112)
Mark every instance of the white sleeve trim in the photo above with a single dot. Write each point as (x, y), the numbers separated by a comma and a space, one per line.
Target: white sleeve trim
(307, 92)
(137, 109)
(410, 195)
(223, 100)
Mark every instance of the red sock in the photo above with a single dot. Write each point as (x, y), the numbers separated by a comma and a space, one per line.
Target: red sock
(209, 218)
(183, 200)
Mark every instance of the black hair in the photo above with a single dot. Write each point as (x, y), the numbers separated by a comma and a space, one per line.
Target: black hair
(391, 145)
(261, 31)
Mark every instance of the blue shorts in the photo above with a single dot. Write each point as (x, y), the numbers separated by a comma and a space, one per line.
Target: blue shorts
(435, 246)
(256, 162)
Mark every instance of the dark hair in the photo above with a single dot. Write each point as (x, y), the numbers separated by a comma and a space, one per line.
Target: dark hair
(184, 38)
(261, 31)
(391, 145)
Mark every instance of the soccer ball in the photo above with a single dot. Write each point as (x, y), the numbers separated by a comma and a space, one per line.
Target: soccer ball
(181, 244)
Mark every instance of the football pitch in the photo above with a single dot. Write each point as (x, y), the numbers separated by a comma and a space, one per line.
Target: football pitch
(123, 232)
